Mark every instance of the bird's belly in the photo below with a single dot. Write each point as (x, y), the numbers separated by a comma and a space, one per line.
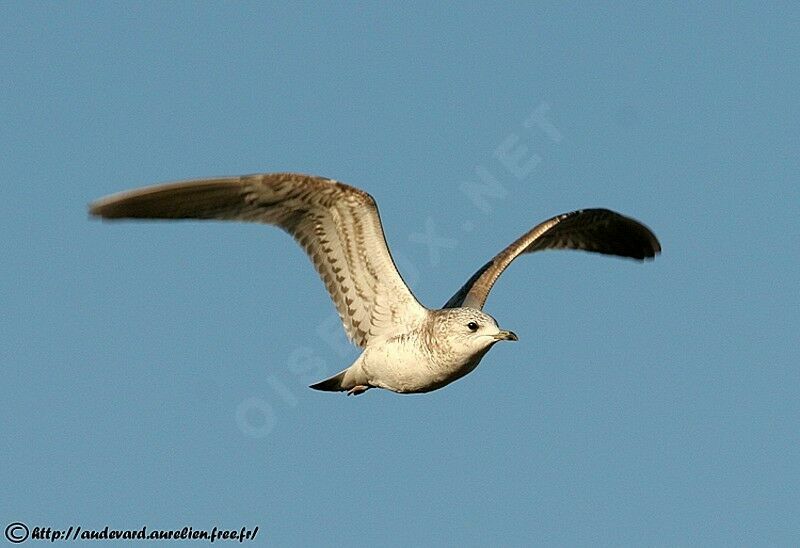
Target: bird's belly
(404, 370)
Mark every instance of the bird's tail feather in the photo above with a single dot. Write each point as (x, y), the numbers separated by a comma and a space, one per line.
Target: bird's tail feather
(332, 384)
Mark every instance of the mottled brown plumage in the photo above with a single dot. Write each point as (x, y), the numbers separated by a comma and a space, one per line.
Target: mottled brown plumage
(337, 225)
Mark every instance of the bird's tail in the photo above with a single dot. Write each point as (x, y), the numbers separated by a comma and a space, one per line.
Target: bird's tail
(332, 384)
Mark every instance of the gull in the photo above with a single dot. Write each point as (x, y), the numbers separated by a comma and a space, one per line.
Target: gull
(407, 348)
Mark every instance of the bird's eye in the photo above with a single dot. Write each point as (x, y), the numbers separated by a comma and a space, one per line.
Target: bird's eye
(472, 326)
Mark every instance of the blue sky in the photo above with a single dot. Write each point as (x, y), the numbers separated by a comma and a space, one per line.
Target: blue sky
(155, 374)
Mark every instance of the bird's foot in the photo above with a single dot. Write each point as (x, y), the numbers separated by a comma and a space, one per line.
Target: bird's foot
(358, 389)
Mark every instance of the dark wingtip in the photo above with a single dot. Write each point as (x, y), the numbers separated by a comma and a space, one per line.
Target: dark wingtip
(95, 211)
(107, 208)
(653, 246)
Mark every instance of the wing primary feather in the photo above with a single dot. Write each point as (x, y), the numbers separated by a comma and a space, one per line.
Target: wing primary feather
(594, 230)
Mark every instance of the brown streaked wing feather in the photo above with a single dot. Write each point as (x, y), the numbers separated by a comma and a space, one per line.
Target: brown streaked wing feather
(595, 230)
(337, 225)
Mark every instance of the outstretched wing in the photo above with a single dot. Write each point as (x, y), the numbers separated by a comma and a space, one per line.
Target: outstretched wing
(595, 230)
(337, 225)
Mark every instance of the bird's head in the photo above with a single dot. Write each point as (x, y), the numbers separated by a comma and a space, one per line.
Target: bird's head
(468, 331)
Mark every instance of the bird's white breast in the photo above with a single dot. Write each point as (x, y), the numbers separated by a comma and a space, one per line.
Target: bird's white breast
(405, 364)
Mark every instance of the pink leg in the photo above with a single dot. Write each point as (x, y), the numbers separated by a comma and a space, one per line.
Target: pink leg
(358, 389)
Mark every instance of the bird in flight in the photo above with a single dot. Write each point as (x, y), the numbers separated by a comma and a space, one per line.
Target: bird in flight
(407, 348)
